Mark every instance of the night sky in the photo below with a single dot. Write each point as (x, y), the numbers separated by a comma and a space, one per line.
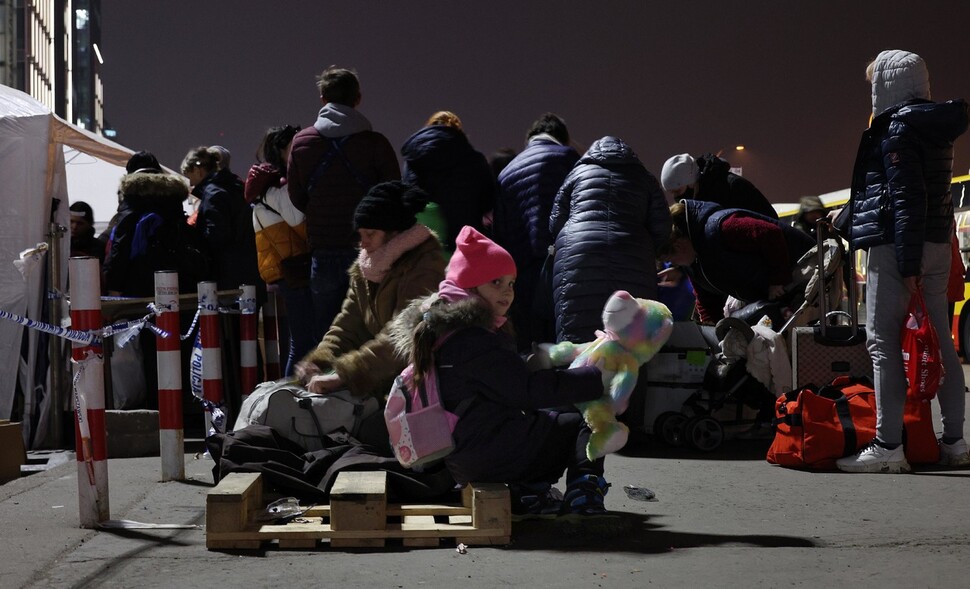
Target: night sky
(784, 78)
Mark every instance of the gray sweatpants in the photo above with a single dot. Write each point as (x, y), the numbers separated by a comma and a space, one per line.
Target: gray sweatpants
(886, 304)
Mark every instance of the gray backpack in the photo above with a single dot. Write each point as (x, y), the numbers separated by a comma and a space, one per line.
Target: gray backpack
(302, 416)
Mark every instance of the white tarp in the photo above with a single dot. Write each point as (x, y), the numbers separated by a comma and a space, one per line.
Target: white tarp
(33, 142)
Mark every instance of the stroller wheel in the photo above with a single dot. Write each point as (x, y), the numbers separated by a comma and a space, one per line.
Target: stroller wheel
(670, 427)
(704, 433)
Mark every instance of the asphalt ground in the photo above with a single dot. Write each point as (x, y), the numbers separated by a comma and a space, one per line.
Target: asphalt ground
(720, 519)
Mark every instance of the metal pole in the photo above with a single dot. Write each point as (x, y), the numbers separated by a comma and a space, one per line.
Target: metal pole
(171, 434)
(57, 367)
(90, 439)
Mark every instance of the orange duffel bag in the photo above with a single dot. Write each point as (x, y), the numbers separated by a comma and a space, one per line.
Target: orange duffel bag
(813, 428)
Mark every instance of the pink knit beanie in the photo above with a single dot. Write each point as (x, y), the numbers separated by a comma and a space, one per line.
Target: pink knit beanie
(477, 260)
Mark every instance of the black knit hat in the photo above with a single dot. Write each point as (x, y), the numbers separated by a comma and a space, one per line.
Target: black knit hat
(143, 161)
(390, 206)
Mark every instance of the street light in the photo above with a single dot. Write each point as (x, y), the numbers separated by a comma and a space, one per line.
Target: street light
(723, 149)
(734, 169)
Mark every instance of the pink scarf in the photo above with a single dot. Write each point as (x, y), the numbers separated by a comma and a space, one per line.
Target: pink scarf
(376, 265)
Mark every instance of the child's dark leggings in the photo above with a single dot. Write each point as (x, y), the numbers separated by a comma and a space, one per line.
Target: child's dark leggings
(565, 449)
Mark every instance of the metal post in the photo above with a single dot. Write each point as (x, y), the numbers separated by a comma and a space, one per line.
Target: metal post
(56, 367)
(171, 433)
(211, 348)
(89, 427)
(247, 340)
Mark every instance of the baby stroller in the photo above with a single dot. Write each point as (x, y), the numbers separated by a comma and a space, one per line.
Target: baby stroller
(732, 396)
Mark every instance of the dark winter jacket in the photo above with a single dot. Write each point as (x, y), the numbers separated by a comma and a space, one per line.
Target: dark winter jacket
(716, 183)
(901, 179)
(607, 221)
(125, 269)
(439, 159)
(741, 266)
(356, 346)
(527, 189)
(330, 199)
(500, 430)
(226, 222)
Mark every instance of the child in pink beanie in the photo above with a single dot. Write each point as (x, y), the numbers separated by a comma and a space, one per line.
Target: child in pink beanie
(480, 267)
(502, 434)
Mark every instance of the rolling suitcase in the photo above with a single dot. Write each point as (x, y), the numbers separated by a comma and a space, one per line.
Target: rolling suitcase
(822, 352)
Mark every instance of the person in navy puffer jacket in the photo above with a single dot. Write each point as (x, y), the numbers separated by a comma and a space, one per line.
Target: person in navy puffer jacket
(440, 160)
(901, 211)
(607, 221)
(527, 188)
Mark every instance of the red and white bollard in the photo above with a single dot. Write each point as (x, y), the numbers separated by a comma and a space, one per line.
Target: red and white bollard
(247, 340)
(88, 363)
(211, 350)
(171, 433)
(271, 335)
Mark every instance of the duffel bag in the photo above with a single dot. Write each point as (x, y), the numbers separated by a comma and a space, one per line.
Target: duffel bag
(302, 416)
(814, 428)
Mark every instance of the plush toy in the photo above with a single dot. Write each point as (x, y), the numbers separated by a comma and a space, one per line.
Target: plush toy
(633, 331)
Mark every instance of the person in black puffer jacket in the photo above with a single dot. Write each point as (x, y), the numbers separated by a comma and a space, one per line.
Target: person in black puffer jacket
(709, 178)
(902, 212)
(439, 159)
(734, 252)
(607, 221)
(527, 188)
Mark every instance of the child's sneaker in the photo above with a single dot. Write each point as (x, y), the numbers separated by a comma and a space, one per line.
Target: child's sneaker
(875, 458)
(535, 501)
(954, 454)
(584, 496)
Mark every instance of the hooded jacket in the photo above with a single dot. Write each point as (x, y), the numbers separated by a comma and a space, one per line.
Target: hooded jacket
(500, 430)
(329, 201)
(357, 346)
(900, 191)
(527, 189)
(607, 221)
(716, 183)
(141, 193)
(439, 159)
(280, 228)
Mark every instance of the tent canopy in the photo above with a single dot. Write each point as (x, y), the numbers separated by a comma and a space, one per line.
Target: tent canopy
(36, 191)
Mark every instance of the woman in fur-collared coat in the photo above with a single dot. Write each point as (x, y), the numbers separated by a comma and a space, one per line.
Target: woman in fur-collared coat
(399, 260)
(154, 204)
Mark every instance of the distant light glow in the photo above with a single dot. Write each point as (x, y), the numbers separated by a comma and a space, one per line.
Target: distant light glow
(110, 133)
(97, 52)
(81, 18)
(739, 148)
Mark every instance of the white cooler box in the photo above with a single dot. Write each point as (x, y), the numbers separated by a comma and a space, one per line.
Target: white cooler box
(676, 372)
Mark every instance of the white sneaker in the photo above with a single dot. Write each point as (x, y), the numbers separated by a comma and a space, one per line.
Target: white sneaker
(875, 458)
(954, 454)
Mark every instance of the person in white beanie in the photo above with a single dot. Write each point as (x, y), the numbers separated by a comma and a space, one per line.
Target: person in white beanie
(901, 211)
(709, 178)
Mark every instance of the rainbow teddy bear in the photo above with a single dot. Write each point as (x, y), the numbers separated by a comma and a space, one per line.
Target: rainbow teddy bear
(634, 330)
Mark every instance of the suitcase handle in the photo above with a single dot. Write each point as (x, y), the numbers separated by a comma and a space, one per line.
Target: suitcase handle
(826, 332)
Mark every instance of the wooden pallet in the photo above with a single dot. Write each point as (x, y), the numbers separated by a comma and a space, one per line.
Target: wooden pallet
(358, 516)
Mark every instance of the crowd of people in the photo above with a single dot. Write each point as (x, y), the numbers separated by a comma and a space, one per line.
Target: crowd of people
(478, 261)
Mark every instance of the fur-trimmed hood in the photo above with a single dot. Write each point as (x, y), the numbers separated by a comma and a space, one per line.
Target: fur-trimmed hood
(149, 189)
(441, 316)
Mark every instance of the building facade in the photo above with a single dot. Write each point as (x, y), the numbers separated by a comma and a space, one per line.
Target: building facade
(50, 49)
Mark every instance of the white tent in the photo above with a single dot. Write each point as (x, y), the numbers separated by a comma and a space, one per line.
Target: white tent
(34, 193)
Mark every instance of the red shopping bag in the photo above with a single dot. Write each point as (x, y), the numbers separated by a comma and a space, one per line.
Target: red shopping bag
(921, 350)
